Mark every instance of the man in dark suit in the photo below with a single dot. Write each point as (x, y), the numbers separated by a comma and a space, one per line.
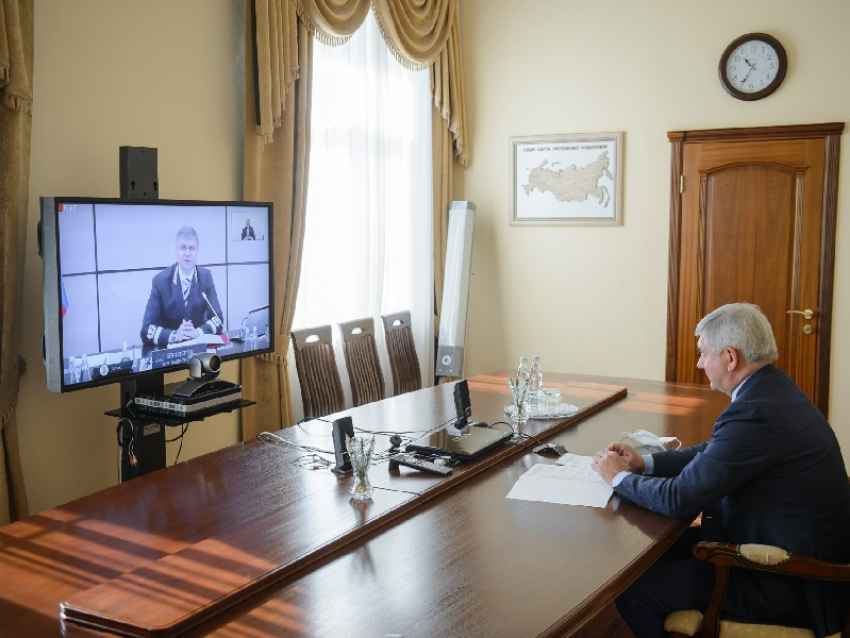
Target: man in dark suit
(183, 302)
(248, 231)
(772, 473)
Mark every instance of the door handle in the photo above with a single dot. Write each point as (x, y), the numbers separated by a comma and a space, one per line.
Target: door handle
(807, 314)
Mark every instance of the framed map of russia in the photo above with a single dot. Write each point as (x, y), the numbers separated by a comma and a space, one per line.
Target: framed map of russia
(567, 179)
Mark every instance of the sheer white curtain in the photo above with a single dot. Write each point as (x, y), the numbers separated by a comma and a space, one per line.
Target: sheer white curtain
(368, 238)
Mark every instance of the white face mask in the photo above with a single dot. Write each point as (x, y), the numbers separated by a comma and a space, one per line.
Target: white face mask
(649, 439)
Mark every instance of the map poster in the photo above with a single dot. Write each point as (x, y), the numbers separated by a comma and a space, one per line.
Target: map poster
(567, 179)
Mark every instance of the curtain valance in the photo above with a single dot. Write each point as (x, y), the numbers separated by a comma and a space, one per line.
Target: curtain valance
(420, 33)
(333, 22)
(416, 31)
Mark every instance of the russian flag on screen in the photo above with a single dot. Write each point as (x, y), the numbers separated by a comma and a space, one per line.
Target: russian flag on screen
(64, 297)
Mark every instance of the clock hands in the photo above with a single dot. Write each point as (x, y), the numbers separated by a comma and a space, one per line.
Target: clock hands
(752, 68)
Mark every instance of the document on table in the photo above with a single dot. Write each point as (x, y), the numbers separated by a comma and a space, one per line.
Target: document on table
(571, 481)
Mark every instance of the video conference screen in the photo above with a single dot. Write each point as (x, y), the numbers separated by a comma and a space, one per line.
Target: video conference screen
(141, 286)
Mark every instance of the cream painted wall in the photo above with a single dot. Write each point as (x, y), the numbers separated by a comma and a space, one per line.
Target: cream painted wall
(593, 299)
(107, 74)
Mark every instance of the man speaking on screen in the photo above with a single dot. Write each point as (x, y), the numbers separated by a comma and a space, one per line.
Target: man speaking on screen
(183, 302)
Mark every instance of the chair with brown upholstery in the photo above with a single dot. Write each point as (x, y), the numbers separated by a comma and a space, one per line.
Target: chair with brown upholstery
(361, 360)
(403, 360)
(765, 558)
(321, 389)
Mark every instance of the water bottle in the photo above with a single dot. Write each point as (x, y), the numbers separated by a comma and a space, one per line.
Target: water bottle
(522, 371)
(535, 387)
(86, 373)
(536, 374)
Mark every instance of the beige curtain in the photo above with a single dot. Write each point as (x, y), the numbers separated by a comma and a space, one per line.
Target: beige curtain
(421, 34)
(448, 141)
(16, 67)
(333, 21)
(426, 33)
(275, 167)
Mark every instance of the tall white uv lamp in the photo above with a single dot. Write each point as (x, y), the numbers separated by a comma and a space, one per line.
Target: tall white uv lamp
(452, 339)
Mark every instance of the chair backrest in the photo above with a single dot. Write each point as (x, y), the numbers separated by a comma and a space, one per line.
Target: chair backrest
(361, 360)
(403, 360)
(321, 389)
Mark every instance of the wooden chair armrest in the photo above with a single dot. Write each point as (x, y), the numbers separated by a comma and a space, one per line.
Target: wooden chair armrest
(765, 558)
(728, 555)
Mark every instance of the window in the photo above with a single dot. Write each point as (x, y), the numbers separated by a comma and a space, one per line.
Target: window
(368, 235)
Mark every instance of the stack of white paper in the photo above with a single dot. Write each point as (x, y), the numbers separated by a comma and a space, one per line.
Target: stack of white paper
(571, 481)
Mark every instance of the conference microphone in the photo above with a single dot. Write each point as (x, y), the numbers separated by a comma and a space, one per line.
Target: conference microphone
(207, 299)
(215, 314)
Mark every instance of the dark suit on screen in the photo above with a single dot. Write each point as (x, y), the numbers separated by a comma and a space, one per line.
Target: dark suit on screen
(248, 233)
(772, 473)
(166, 308)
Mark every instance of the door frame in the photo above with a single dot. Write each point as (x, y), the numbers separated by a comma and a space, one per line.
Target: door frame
(831, 133)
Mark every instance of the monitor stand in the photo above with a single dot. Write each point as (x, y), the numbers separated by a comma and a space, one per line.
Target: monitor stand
(142, 441)
(141, 434)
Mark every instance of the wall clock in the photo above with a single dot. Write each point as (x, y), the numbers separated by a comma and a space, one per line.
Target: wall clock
(752, 66)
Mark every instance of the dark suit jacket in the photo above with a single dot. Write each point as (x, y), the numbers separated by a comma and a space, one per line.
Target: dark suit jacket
(166, 309)
(771, 473)
(247, 232)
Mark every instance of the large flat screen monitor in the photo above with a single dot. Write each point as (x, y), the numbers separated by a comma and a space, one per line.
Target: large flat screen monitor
(135, 288)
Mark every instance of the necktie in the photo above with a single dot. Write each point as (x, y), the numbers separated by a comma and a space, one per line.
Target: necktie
(186, 285)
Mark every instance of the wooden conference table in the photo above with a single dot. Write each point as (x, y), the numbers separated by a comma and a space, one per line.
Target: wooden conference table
(247, 541)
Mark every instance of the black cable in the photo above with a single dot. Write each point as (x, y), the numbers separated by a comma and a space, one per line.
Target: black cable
(125, 442)
(180, 438)
(179, 449)
(523, 435)
(520, 435)
(510, 425)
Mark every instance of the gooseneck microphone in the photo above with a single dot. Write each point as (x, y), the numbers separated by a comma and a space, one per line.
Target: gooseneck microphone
(215, 314)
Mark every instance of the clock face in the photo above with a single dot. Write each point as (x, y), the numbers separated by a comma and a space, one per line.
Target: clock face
(753, 66)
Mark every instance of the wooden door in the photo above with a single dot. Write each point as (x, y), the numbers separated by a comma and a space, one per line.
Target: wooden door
(753, 219)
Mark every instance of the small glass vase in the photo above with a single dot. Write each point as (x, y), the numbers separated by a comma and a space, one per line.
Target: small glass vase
(360, 452)
(519, 392)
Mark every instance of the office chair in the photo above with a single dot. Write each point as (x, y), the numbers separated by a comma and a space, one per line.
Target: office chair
(403, 360)
(765, 558)
(361, 360)
(321, 389)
